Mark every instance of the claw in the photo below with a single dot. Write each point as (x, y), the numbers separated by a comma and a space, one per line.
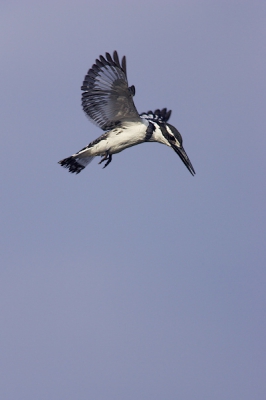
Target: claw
(107, 157)
(104, 157)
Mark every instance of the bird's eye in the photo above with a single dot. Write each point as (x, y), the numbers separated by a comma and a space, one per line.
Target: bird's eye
(171, 137)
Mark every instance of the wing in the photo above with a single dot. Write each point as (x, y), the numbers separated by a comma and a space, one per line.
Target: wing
(107, 100)
(158, 115)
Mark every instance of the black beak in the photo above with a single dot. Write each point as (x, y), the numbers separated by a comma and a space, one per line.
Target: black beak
(184, 157)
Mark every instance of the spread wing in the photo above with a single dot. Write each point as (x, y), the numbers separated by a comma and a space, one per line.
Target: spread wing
(107, 100)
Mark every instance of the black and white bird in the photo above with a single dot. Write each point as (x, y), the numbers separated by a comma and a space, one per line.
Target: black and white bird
(108, 102)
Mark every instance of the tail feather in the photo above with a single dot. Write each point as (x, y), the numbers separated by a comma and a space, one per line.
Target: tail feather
(75, 164)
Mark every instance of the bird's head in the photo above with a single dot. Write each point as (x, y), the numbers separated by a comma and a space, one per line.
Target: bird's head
(176, 142)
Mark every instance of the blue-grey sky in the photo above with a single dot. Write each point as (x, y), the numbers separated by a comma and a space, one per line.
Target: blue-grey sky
(138, 281)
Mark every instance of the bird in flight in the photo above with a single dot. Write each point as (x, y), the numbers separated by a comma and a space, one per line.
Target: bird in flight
(107, 99)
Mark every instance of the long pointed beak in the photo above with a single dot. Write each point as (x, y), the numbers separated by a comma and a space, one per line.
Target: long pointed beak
(184, 157)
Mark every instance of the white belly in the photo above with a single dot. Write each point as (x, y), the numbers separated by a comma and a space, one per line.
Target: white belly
(119, 139)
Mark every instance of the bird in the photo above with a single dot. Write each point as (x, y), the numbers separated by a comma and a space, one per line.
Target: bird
(107, 100)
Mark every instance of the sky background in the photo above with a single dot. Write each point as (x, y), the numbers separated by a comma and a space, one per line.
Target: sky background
(138, 281)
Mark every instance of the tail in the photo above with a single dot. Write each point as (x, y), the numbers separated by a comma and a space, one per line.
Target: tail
(75, 163)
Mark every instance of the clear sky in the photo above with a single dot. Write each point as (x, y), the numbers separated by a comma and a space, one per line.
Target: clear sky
(138, 281)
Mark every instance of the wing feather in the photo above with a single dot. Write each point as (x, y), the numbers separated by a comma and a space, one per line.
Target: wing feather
(107, 99)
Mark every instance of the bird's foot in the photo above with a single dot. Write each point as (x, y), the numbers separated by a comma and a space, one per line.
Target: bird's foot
(107, 157)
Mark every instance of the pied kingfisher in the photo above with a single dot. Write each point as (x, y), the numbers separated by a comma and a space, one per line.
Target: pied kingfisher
(108, 102)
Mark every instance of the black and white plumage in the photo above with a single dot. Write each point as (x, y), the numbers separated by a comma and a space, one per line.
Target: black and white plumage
(108, 102)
